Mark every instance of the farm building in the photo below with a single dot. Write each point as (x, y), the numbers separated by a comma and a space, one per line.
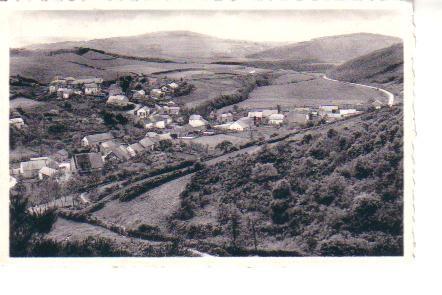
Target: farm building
(377, 104)
(261, 113)
(87, 163)
(32, 167)
(17, 123)
(157, 121)
(46, 172)
(139, 94)
(143, 112)
(147, 142)
(174, 110)
(329, 108)
(92, 89)
(64, 167)
(64, 93)
(276, 119)
(348, 112)
(156, 93)
(197, 121)
(173, 85)
(242, 124)
(96, 139)
(118, 100)
(135, 149)
(225, 117)
(114, 151)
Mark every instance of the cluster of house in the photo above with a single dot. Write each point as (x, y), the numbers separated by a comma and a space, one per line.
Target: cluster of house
(66, 87)
(253, 118)
(103, 148)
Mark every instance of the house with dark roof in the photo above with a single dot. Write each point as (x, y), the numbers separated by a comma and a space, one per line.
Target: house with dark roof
(86, 163)
(96, 139)
(114, 152)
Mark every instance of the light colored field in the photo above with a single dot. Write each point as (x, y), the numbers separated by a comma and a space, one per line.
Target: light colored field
(24, 103)
(208, 87)
(152, 208)
(67, 230)
(309, 93)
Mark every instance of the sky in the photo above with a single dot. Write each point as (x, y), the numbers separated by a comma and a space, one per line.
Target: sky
(30, 27)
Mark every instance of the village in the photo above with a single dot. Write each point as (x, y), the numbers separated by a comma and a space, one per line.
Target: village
(171, 130)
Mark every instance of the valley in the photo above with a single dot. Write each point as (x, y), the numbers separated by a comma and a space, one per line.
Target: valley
(182, 144)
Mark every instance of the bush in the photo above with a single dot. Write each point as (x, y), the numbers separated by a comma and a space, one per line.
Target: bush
(264, 172)
(281, 190)
(57, 128)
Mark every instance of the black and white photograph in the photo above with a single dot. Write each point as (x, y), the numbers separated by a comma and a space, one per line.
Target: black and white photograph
(207, 133)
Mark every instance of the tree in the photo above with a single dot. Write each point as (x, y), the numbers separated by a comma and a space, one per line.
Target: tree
(264, 172)
(224, 146)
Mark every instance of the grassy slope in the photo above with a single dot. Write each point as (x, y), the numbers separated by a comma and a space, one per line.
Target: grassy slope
(302, 91)
(333, 49)
(333, 193)
(381, 67)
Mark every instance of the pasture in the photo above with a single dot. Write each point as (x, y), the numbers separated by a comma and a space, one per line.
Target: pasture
(309, 93)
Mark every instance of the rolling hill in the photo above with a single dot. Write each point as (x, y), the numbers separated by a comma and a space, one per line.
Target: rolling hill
(332, 49)
(336, 191)
(381, 66)
(168, 44)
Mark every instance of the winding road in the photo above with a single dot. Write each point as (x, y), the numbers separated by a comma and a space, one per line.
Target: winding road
(390, 96)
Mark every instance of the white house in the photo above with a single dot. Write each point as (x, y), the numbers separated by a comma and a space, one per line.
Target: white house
(46, 172)
(96, 139)
(156, 93)
(92, 89)
(135, 149)
(173, 85)
(157, 121)
(138, 94)
(118, 100)
(174, 110)
(261, 113)
(348, 112)
(242, 124)
(17, 122)
(143, 112)
(64, 93)
(276, 119)
(329, 108)
(32, 167)
(197, 121)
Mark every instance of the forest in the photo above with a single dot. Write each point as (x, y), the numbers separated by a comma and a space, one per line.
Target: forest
(337, 192)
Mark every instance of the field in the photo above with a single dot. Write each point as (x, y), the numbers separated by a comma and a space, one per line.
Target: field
(24, 103)
(152, 208)
(309, 93)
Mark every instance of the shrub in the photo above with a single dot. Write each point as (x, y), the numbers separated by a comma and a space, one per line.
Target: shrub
(264, 172)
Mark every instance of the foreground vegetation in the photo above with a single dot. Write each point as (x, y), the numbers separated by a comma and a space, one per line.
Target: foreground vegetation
(337, 192)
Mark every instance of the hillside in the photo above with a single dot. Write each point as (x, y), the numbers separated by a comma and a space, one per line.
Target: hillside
(381, 66)
(169, 44)
(333, 49)
(335, 192)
